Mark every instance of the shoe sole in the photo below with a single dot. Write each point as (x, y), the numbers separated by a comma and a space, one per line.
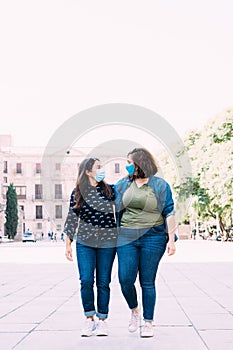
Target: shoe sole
(87, 335)
(146, 336)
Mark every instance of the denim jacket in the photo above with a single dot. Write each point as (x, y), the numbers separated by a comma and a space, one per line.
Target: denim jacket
(161, 190)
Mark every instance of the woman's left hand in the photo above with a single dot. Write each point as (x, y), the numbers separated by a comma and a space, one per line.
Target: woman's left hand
(171, 248)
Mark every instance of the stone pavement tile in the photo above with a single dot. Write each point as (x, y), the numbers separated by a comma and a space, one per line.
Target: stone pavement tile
(8, 340)
(64, 291)
(9, 288)
(51, 304)
(210, 277)
(225, 300)
(200, 305)
(29, 314)
(9, 305)
(184, 288)
(168, 312)
(220, 271)
(61, 321)
(5, 308)
(16, 327)
(181, 338)
(30, 290)
(56, 300)
(169, 273)
(163, 290)
(214, 288)
(119, 311)
(218, 339)
(213, 321)
(69, 306)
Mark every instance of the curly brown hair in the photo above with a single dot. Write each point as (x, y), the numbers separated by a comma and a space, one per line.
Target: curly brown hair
(144, 162)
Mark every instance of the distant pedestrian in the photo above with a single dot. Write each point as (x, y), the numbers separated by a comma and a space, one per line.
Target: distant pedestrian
(194, 233)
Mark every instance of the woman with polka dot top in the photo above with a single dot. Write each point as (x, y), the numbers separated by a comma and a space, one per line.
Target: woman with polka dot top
(91, 214)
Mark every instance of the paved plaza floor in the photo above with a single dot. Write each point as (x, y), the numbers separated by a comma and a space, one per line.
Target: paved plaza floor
(40, 305)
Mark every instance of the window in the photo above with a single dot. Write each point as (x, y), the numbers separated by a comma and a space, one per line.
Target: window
(117, 168)
(38, 191)
(22, 208)
(58, 166)
(5, 179)
(58, 227)
(21, 192)
(39, 212)
(38, 168)
(58, 191)
(39, 225)
(58, 211)
(18, 168)
(5, 170)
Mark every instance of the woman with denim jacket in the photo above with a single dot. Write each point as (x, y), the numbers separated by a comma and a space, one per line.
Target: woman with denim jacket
(146, 228)
(91, 211)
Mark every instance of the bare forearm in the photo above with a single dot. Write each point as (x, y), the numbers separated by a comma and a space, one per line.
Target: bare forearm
(171, 227)
(68, 242)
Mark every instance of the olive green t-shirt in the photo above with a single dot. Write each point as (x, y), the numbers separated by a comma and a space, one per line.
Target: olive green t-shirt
(141, 208)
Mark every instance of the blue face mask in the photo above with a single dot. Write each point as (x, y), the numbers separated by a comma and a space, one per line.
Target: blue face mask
(100, 175)
(130, 168)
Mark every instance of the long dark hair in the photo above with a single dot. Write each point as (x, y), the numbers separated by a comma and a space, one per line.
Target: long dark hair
(145, 162)
(83, 182)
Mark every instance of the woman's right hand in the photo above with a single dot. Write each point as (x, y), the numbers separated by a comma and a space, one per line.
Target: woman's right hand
(68, 252)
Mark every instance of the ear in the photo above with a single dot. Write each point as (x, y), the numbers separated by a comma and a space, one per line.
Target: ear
(88, 173)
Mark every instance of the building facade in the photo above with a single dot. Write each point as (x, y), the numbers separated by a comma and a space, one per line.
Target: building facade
(43, 183)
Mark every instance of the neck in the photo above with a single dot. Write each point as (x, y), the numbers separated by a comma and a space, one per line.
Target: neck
(145, 179)
(93, 181)
(142, 180)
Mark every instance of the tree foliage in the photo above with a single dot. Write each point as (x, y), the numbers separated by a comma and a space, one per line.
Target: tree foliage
(11, 212)
(210, 151)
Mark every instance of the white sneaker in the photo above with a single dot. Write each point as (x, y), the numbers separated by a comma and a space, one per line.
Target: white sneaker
(147, 330)
(134, 322)
(88, 328)
(101, 328)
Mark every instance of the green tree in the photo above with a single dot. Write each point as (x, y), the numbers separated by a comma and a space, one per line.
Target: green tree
(214, 201)
(210, 189)
(11, 212)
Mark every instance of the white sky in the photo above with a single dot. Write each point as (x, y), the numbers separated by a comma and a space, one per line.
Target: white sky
(60, 57)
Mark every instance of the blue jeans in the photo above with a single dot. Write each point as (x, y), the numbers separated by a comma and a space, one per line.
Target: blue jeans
(91, 260)
(140, 253)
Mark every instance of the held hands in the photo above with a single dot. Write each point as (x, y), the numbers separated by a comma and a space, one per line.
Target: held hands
(171, 248)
